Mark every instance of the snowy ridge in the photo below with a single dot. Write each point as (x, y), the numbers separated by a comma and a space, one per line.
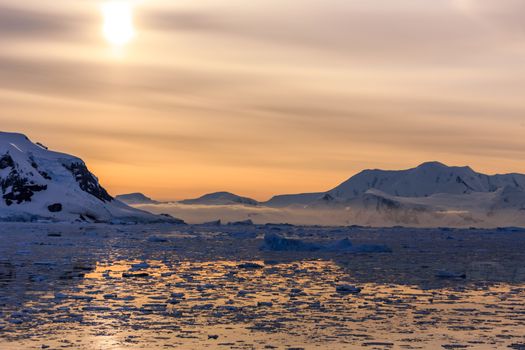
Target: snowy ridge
(430, 195)
(220, 198)
(425, 180)
(135, 198)
(39, 184)
(286, 200)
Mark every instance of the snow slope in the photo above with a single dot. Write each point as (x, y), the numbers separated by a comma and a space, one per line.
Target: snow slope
(39, 184)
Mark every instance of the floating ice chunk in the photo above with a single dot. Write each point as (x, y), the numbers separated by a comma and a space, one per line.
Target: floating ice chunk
(450, 275)
(241, 223)
(178, 295)
(275, 242)
(250, 266)
(61, 296)
(135, 275)
(206, 286)
(157, 239)
(139, 266)
(264, 304)
(347, 289)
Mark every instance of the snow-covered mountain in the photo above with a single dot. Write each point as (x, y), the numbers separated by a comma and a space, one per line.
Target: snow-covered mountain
(425, 180)
(220, 198)
(135, 198)
(431, 194)
(285, 200)
(39, 184)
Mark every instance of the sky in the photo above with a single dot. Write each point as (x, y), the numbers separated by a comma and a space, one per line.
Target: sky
(180, 98)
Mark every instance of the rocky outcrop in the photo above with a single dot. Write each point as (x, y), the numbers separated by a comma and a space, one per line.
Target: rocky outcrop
(87, 181)
(16, 188)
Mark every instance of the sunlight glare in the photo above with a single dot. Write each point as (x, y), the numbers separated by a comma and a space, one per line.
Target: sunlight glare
(118, 22)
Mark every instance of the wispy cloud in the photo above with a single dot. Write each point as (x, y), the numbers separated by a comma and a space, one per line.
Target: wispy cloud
(22, 23)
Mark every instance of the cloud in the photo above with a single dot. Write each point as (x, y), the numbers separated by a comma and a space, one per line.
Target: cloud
(23, 23)
(506, 15)
(430, 32)
(267, 96)
(139, 85)
(160, 20)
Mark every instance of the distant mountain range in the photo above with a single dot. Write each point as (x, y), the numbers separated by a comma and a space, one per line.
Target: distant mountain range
(37, 184)
(216, 198)
(426, 180)
(432, 194)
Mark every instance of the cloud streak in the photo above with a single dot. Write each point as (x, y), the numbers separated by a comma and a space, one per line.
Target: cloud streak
(18, 23)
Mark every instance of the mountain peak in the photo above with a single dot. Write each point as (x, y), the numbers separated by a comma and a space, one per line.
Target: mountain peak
(6, 136)
(135, 198)
(220, 198)
(435, 165)
(14, 141)
(432, 165)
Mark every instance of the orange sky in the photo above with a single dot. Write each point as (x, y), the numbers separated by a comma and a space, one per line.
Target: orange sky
(266, 97)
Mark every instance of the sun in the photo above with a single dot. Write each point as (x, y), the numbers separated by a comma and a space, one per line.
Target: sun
(118, 22)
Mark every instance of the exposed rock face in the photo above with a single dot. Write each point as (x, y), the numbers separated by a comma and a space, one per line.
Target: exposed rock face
(6, 161)
(88, 182)
(41, 172)
(15, 188)
(55, 208)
